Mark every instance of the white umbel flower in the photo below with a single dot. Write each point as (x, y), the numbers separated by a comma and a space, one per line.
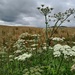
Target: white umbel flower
(23, 35)
(63, 49)
(73, 48)
(44, 48)
(58, 38)
(66, 47)
(57, 47)
(18, 51)
(73, 67)
(33, 45)
(57, 53)
(23, 56)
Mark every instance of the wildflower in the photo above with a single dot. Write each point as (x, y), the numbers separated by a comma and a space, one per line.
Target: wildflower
(33, 48)
(30, 40)
(57, 39)
(63, 38)
(63, 49)
(18, 51)
(23, 56)
(50, 47)
(64, 52)
(66, 46)
(57, 47)
(11, 56)
(44, 44)
(73, 42)
(44, 48)
(23, 35)
(34, 45)
(20, 44)
(16, 58)
(73, 48)
(71, 53)
(34, 35)
(72, 67)
(57, 54)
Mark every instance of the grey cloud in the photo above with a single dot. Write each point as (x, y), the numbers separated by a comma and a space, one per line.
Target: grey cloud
(13, 11)
(10, 10)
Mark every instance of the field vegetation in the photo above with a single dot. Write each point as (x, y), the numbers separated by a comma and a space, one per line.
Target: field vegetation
(38, 51)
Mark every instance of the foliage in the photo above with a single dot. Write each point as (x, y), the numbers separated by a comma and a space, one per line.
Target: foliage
(35, 59)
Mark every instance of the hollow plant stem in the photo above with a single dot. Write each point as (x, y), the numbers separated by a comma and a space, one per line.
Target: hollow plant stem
(46, 32)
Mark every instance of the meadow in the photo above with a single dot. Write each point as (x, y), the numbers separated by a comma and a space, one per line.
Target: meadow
(23, 51)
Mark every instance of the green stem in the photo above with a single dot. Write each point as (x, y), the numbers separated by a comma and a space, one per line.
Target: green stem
(46, 32)
(59, 65)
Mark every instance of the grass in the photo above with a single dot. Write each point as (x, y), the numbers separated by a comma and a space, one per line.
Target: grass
(42, 62)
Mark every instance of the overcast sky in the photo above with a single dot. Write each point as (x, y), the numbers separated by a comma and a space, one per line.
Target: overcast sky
(24, 12)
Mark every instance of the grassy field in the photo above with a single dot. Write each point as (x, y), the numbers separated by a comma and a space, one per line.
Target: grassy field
(15, 31)
(23, 51)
